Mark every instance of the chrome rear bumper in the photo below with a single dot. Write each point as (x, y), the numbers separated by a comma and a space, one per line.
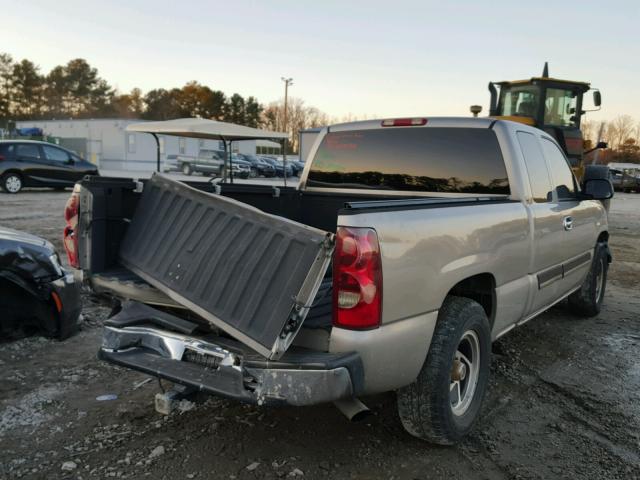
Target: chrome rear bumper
(302, 377)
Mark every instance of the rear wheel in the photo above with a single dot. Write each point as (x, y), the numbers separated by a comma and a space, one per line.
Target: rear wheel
(588, 300)
(12, 182)
(253, 173)
(443, 404)
(186, 169)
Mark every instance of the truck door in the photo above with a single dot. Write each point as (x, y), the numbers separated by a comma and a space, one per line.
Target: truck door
(547, 213)
(579, 229)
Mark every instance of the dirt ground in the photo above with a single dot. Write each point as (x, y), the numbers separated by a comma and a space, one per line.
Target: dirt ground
(564, 401)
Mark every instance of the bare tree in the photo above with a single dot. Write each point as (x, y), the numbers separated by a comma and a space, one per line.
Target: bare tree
(299, 117)
(619, 129)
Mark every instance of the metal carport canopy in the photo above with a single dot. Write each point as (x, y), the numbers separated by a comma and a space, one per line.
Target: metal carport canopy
(206, 129)
(203, 128)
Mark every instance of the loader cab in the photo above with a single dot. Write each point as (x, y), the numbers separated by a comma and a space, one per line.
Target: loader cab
(553, 105)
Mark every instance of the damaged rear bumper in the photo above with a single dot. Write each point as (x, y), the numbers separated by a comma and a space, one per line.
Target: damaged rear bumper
(300, 377)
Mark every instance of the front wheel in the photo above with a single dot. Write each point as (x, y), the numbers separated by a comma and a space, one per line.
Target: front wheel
(186, 169)
(12, 183)
(253, 173)
(588, 300)
(443, 404)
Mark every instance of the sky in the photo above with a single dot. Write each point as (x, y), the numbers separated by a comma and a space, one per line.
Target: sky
(364, 58)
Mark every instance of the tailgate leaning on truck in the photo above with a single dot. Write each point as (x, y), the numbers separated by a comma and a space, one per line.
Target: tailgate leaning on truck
(249, 273)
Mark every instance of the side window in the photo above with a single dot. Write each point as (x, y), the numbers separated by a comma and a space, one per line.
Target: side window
(55, 154)
(6, 150)
(536, 167)
(560, 107)
(28, 151)
(563, 182)
(131, 143)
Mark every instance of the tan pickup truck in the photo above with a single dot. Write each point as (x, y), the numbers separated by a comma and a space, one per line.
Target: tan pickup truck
(408, 246)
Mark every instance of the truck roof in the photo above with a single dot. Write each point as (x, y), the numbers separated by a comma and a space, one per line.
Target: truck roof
(455, 122)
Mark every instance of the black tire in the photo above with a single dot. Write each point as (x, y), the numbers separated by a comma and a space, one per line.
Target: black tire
(186, 169)
(254, 173)
(587, 301)
(12, 182)
(425, 407)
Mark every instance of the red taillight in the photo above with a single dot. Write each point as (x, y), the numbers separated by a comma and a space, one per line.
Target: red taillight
(71, 211)
(404, 122)
(357, 279)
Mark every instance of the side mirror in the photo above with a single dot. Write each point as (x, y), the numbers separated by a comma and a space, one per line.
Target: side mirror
(598, 188)
(597, 98)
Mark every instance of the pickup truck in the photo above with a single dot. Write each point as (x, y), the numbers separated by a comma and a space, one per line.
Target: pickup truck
(211, 162)
(408, 246)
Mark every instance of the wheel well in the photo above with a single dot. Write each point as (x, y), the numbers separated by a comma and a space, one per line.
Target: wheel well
(17, 172)
(481, 288)
(603, 237)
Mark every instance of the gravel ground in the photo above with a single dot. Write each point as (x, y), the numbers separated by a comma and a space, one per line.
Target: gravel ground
(564, 401)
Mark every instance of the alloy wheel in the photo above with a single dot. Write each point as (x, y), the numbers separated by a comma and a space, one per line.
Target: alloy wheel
(464, 373)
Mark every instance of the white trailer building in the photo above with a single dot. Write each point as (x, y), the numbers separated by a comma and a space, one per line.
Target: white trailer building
(106, 143)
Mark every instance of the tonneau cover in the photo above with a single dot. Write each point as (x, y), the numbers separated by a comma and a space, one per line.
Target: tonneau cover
(252, 274)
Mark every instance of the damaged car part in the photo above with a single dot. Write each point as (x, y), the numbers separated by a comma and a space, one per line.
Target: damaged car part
(222, 366)
(36, 292)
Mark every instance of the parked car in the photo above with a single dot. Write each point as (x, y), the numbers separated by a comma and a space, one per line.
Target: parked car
(623, 181)
(28, 163)
(208, 162)
(279, 167)
(37, 292)
(405, 250)
(240, 167)
(259, 167)
(297, 167)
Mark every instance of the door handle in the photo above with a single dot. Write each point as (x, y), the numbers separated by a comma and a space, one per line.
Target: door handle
(567, 223)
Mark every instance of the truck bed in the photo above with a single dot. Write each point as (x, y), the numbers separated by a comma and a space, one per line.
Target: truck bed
(211, 249)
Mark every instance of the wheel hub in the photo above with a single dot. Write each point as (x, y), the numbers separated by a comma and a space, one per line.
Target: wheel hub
(465, 373)
(459, 371)
(13, 184)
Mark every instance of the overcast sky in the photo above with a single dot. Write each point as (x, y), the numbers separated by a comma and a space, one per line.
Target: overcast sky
(391, 58)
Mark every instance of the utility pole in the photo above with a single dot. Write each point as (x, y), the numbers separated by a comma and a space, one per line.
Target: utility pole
(287, 82)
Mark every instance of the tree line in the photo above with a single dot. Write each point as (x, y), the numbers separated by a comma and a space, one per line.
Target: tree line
(76, 90)
(622, 135)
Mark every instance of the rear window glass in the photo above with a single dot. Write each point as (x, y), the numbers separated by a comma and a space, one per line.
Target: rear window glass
(459, 160)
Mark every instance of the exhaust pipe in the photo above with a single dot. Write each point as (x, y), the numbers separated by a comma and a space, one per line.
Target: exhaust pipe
(353, 409)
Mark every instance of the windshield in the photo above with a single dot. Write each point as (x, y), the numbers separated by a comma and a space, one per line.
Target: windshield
(560, 107)
(519, 101)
